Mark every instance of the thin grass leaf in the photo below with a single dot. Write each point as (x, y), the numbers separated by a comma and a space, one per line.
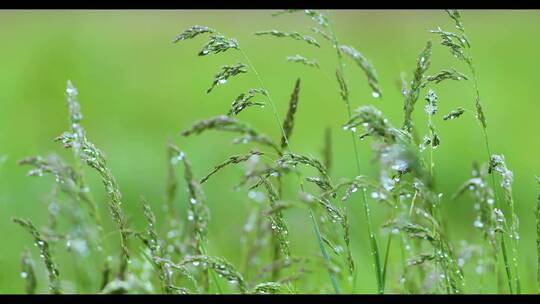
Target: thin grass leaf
(192, 32)
(45, 254)
(301, 59)
(294, 35)
(227, 72)
(288, 122)
(366, 66)
(327, 149)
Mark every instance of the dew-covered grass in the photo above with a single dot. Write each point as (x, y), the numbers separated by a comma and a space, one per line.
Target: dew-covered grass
(284, 152)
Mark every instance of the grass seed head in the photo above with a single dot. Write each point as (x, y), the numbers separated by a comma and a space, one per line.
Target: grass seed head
(227, 72)
(192, 32)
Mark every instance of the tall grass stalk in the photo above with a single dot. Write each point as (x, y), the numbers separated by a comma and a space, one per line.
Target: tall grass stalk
(287, 144)
(374, 250)
(460, 47)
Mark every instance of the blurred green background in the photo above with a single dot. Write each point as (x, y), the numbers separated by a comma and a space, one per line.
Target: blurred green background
(137, 88)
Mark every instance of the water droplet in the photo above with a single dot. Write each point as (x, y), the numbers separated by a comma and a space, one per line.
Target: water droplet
(478, 223)
(24, 275)
(375, 94)
(193, 201)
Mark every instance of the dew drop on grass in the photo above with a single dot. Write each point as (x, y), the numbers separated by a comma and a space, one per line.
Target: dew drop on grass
(478, 223)
(375, 94)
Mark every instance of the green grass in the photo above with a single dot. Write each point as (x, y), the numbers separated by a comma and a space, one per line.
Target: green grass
(138, 91)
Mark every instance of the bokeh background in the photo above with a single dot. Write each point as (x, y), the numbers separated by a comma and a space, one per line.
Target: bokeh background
(137, 89)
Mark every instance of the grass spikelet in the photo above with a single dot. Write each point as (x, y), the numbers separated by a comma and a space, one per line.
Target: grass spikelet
(445, 75)
(285, 11)
(321, 19)
(497, 164)
(217, 44)
(221, 266)
(343, 88)
(78, 136)
(431, 109)
(422, 65)
(174, 155)
(45, 254)
(334, 213)
(235, 159)
(373, 122)
(278, 225)
(220, 123)
(152, 243)
(229, 124)
(322, 183)
(421, 259)
(28, 272)
(454, 114)
(459, 47)
(244, 101)
(192, 32)
(198, 213)
(303, 60)
(366, 66)
(294, 35)
(288, 122)
(477, 185)
(52, 164)
(324, 34)
(94, 158)
(227, 72)
(262, 175)
(267, 288)
(291, 160)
